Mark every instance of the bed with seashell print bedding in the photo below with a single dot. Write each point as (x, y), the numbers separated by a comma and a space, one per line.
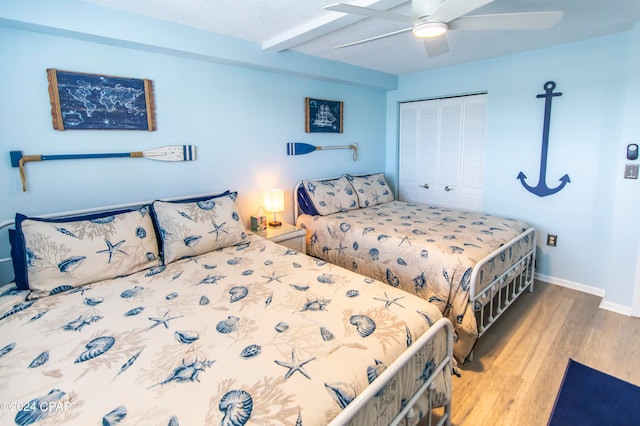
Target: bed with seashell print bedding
(471, 265)
(243, 331)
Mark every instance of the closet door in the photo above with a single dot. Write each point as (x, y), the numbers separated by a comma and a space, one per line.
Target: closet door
(441, 158)
(418, 152)
(447, 184)
(472, 152)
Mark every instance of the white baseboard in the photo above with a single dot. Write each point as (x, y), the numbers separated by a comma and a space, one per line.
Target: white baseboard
(570, 284)
(609, 306)
(614, 307)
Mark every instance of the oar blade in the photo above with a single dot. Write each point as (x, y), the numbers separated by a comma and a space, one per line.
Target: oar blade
(172, 153)
(299, 148)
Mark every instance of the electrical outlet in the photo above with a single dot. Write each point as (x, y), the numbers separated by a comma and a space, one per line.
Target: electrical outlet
(552, 240)
(631, 171)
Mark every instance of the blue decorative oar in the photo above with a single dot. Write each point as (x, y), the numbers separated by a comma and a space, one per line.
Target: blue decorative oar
(165, 153)
(300, 148)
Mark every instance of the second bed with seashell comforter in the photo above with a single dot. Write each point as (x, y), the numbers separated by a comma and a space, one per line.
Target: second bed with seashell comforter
(425, 250)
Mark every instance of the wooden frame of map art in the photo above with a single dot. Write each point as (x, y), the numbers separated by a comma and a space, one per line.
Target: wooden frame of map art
(81, 101)
(323, 116)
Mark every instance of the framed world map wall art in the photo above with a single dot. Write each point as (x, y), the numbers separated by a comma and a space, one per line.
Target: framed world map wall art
(81, 101)
(323, 116)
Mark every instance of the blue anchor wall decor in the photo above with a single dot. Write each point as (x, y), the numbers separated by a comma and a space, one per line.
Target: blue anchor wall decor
(541, 189)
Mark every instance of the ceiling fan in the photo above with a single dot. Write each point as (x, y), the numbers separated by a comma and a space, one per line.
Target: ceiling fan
(431, 19)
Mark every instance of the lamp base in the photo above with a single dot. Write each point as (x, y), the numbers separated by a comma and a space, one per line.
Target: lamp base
(275, 223)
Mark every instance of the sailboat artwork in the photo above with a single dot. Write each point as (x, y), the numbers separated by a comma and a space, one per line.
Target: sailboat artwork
(323, 116)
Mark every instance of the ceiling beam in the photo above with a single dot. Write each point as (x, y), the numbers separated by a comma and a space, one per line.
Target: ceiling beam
(323, 25)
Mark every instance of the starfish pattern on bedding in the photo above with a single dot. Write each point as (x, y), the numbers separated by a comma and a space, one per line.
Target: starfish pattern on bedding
(273, 277)
(164, 320)
(217, 229)
(405, 238)
(212, 279)
(388, 302)
(294, 365)
(194, 259)
(112, 248)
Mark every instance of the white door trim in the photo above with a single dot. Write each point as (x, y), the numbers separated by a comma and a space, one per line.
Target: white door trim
(635, 307)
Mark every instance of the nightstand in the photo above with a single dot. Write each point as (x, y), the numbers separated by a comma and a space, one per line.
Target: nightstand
(287, 235)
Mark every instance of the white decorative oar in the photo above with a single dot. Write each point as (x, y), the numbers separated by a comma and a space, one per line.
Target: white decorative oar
(165, 153)
(300, 148)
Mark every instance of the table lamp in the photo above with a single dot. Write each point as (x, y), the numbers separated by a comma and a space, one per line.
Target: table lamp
(274, 202)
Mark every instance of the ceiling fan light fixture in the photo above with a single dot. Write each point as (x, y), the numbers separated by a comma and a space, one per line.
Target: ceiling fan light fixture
(429, 29)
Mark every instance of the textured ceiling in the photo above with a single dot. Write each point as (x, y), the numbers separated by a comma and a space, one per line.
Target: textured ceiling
(304, 26)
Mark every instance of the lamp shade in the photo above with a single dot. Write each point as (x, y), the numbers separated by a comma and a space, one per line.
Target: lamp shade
(274, 200)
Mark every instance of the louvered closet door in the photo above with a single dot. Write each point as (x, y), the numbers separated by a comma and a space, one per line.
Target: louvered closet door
(447, 187)
(441, 158)
(418, 152)
(472, 152)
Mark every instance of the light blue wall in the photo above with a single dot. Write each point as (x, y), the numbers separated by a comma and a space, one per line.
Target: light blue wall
(591, 124)
(240, 111)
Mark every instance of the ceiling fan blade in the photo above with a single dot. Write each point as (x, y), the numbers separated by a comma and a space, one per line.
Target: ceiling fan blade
(424, 7)
(366, 40)
(452, 9)
(371, 13)
(435, 46)
(508, 21)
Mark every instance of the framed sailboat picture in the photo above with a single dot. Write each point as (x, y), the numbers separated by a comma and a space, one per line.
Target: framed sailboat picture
(323, 116)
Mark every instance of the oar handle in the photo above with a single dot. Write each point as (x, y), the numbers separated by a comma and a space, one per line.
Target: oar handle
(23, 175)
(334, 147)
(169, 153)
(81, 156)
(27, 158)
(354, 147)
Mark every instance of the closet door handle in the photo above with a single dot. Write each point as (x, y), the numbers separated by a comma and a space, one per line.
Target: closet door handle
(448, 188)
(425, 186)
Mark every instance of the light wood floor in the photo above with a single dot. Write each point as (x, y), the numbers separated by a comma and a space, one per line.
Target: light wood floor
(519, 363)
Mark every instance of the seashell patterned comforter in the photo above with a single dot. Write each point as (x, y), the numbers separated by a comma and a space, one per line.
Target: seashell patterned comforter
(249, 334)
(424, 250)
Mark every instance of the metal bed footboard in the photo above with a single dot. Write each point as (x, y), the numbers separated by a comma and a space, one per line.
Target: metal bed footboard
(491, 302)
(393, 369)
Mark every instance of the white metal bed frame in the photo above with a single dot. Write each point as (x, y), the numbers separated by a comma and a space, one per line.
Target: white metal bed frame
(503, 288)
(360, 402)
(502, 291)
(394, 368)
